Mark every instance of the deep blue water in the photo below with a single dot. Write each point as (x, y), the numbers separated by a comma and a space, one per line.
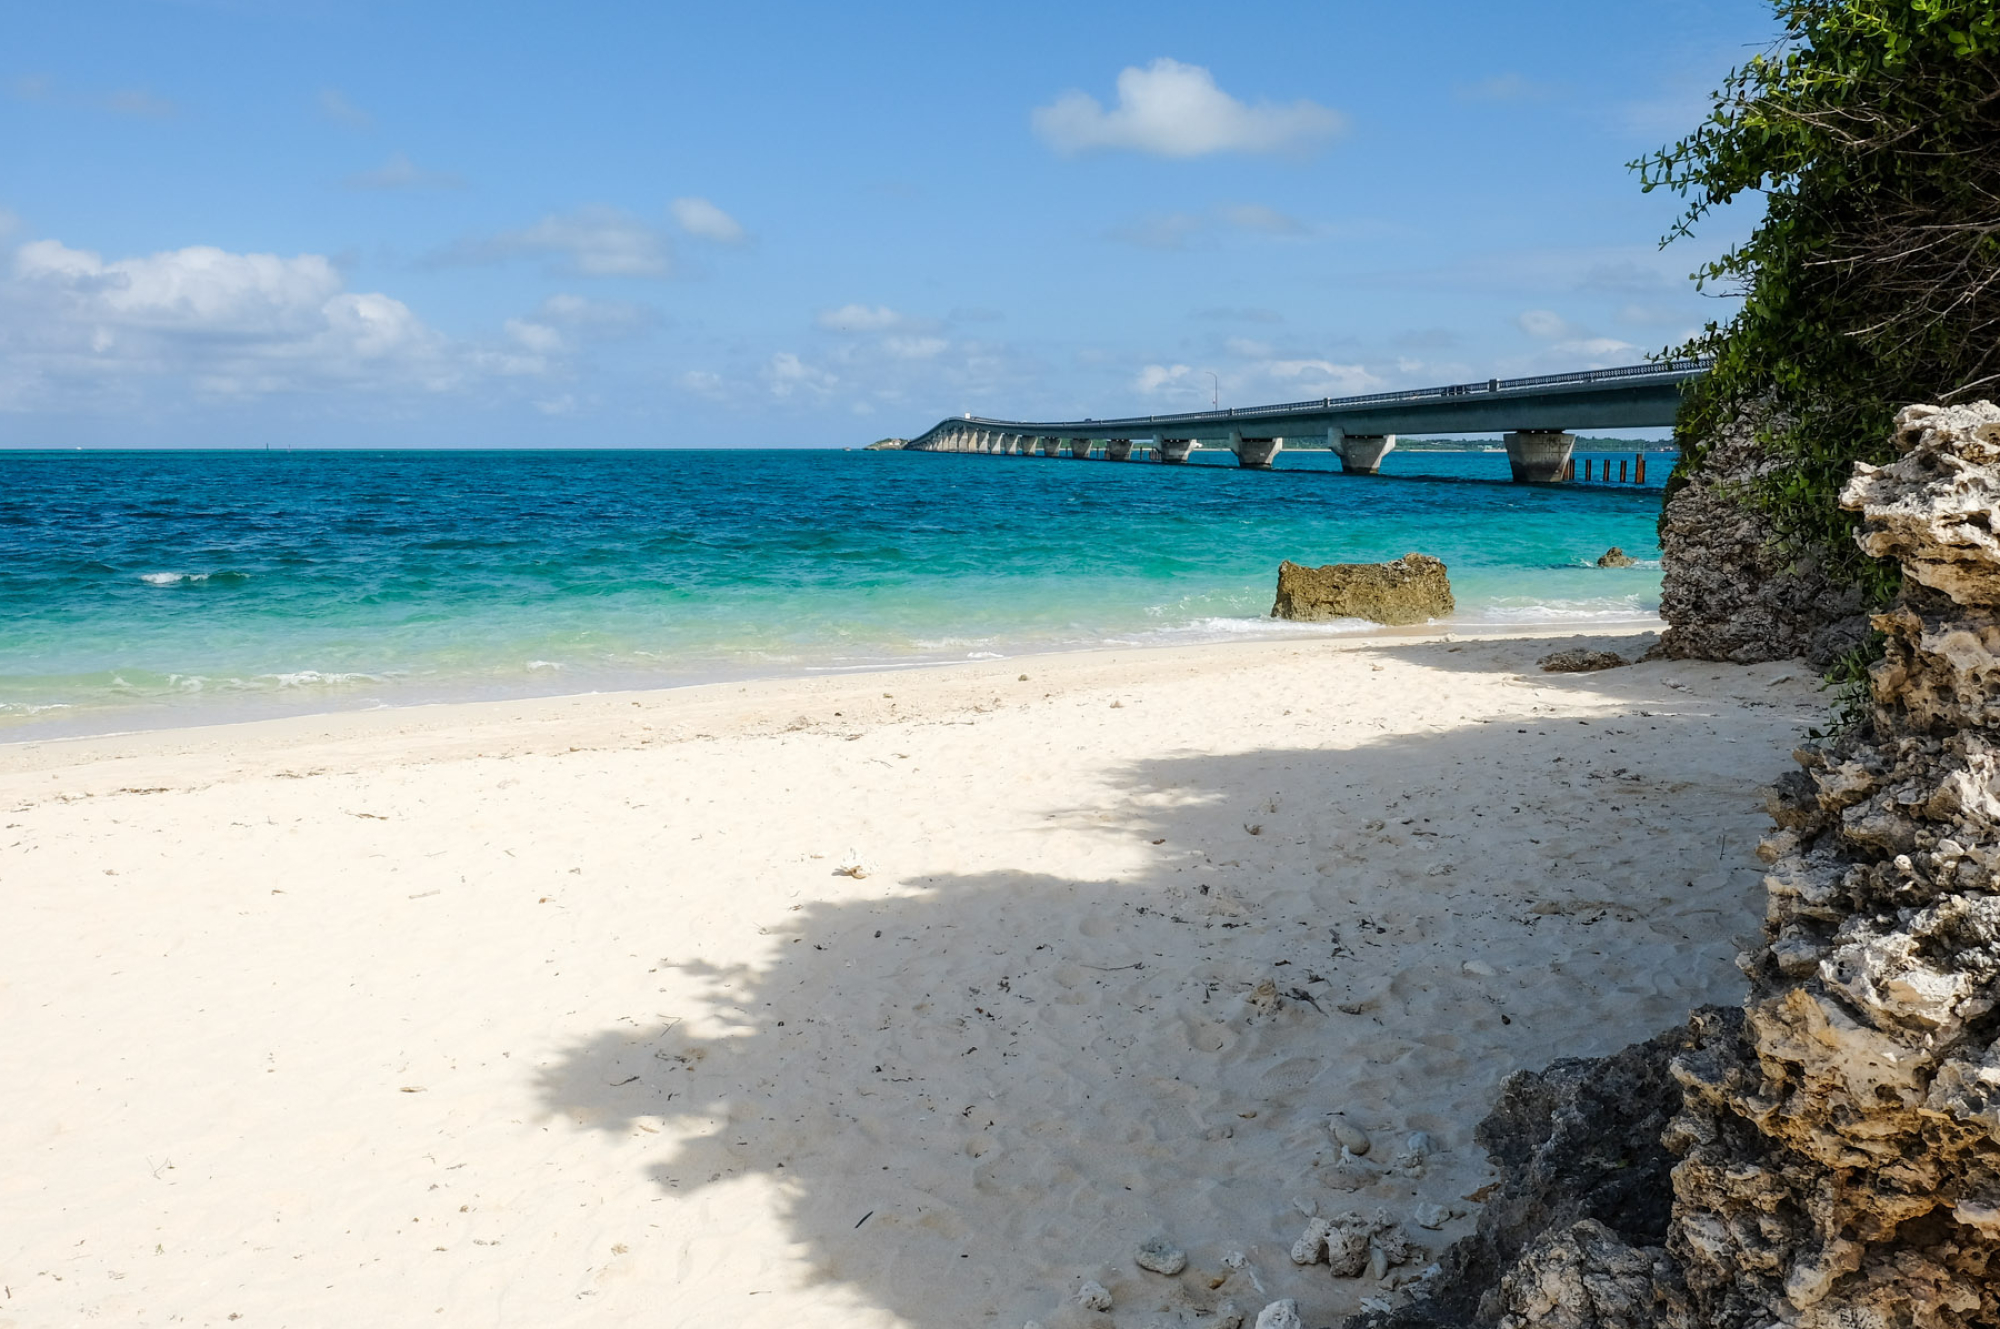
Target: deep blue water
(147, 587)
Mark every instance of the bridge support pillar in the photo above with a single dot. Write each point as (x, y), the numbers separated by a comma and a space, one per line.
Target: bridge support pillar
(1118, 449)
(1175, 451)
(1254, 454)
(1539, 456)
(1360, 454)
(1079, 448)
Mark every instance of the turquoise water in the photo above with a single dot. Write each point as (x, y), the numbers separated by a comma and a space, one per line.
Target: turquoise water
(145, 588)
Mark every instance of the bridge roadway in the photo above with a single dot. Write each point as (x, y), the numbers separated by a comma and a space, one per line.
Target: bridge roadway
(1536, 416)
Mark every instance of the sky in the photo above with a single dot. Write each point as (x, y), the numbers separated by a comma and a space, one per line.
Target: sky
(351, 223)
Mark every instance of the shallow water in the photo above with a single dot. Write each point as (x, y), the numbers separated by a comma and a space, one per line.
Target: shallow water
(145, 588)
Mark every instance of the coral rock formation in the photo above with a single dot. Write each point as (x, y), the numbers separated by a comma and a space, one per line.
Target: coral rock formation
(1412, 589)
(1839, 1146)
(1727, 592)
(1842, 1167)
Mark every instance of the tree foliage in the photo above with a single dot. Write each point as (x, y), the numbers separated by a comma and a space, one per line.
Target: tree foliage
(1873, 130)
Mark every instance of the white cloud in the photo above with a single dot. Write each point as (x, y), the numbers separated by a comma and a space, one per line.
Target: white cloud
(399, 172)
(1318, 378)
(1170, 109)
(700, 218)
(914, 348)
(860, 318)
(1156, 378)
(1570, 341)
(588, 242)
(786, 374)
(83, 330)
(704, 381)
(1545, 323)
(1602, 352)
(539, 338)
(596, 320)
(335, 107)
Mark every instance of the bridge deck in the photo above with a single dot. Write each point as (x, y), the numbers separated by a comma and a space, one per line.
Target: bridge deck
(1633, 396)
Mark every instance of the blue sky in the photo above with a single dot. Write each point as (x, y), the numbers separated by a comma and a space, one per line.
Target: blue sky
(343, 223)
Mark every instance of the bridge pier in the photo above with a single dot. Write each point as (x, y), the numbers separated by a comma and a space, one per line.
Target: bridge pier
(1254, 454)
(1045, 447)
(1175, 451)
(1539, 456)
(1079, 448)
(1118, 449)
(1360, 454)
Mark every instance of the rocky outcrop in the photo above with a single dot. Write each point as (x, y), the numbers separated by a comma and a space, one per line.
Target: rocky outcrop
(1727, 592)
(1413, 589)
(1615, 557)
(1838, 1143)
(1841, 1163)
(1583, 1175)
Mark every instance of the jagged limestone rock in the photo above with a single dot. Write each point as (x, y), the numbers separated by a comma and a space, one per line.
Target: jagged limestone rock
(1936, 508)
(1586, 1277)
(1615, 557)
(1838, 1145)
(1727, 592)
(1412, 589)
(1840, 1164)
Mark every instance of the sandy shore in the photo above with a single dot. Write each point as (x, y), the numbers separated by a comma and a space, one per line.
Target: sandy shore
(561, 1012)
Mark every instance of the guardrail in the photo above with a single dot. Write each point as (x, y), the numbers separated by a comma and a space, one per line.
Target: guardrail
(1675, 369)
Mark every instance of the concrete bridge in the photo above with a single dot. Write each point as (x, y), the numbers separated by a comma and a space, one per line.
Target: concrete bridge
(1535, 414)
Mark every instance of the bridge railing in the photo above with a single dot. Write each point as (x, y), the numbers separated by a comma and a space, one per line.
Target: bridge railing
(1658, 369)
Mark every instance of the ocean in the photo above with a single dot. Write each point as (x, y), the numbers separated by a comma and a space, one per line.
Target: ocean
(140, 589)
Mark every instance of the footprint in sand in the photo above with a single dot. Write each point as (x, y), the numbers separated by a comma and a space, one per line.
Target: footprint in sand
(1292, 1073)
(1207, 1035)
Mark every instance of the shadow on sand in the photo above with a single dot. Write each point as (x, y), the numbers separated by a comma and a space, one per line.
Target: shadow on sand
(976, 1090)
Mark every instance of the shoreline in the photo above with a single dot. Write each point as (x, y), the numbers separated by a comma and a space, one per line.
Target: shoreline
(25, 732)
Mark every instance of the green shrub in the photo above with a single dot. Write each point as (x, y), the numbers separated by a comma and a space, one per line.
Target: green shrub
(1872, 128)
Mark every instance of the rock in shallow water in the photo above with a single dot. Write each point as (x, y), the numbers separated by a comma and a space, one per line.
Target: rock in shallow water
(1615, 557)
(1412, 589)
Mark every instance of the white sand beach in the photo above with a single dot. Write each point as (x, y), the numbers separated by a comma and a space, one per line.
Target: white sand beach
(564, 1012)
